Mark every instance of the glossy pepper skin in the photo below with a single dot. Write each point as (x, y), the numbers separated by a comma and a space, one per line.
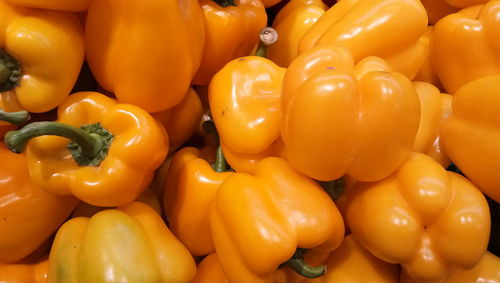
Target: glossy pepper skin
(60, 5)
(49, 48)
(145, 52)
(373, 28)
(429, 220)
(21, 201)
(245, 104)
(487, 270)
(183, 120)
(190, 190)
(230, 32)
(331, 116)
(209, 270)
(435, 107)
(455, 60)
(470, 136)
(258, 220)
(127, 244)
(138, 147)
(350, 263)
(291, 23)
(24, 273)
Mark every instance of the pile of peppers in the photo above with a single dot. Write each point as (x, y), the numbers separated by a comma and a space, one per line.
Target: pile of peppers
(249, 141)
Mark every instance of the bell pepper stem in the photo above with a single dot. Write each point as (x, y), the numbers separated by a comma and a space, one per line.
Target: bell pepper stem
(268, 36)
(16, 118)
(10, 71)
(298, 264)
(225, 3)
(90, 144)
(220, 164)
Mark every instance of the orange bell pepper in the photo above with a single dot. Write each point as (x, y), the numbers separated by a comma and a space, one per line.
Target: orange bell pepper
(435, 107)
(128, 244)
(24, 273)
(437, 9)
(41, 53)
(350, 263)
(429, 220)
(146, 53)
(375, 116)
(21, 202)
(9, 120)
(231, 30)
(427, 73)
(373, 28)
(259, 220)
(112, 157)
(454, 58)
(270, 3)
(291, 23)
(183, 120)
(245, 105)
(210, 271)
(61, 5)
(487, 270)
(470, 136)
(189, 192)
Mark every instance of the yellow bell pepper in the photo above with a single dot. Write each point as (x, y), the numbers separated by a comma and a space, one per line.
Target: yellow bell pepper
(60, 5)
(339, 118)
(465, 46)
(112, 157)
(427, 73)
(258, 221)
(471, 136)
(28, 215)
(41, 53)
(189, 191)
(231, 30)
(435, 107)
(210, 271)
(374, 28)
(487, 270)
(350, 263)
(145, 52)
(128, 244)
(24, 273)
(429, 220)
(291, 23)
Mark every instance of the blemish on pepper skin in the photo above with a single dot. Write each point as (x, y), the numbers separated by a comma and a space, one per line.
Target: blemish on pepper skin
(222, 113)
(241, 59)
(330, 68)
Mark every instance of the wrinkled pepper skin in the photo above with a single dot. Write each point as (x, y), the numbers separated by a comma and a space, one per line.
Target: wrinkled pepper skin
(487, 270)
(350, 263)
(291, 23)
(59, 5)
(183, 120)
(209, 270)
(332, 123)
(128, 244)
(455, 60)
(435, 107)
(21, 201)
(135, 49)
(24, 273)
(139, 146)
(258, 221)
(49, 47)
(373, 28)
(190, 190)
(429, 220)
(471, 135)
(230, 32)
(245, 103)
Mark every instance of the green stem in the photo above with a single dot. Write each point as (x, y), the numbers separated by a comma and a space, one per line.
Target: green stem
(225, 3)
(10, 71)
(17, 140)
(298, 264)
(220, 164)
(16, 118)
